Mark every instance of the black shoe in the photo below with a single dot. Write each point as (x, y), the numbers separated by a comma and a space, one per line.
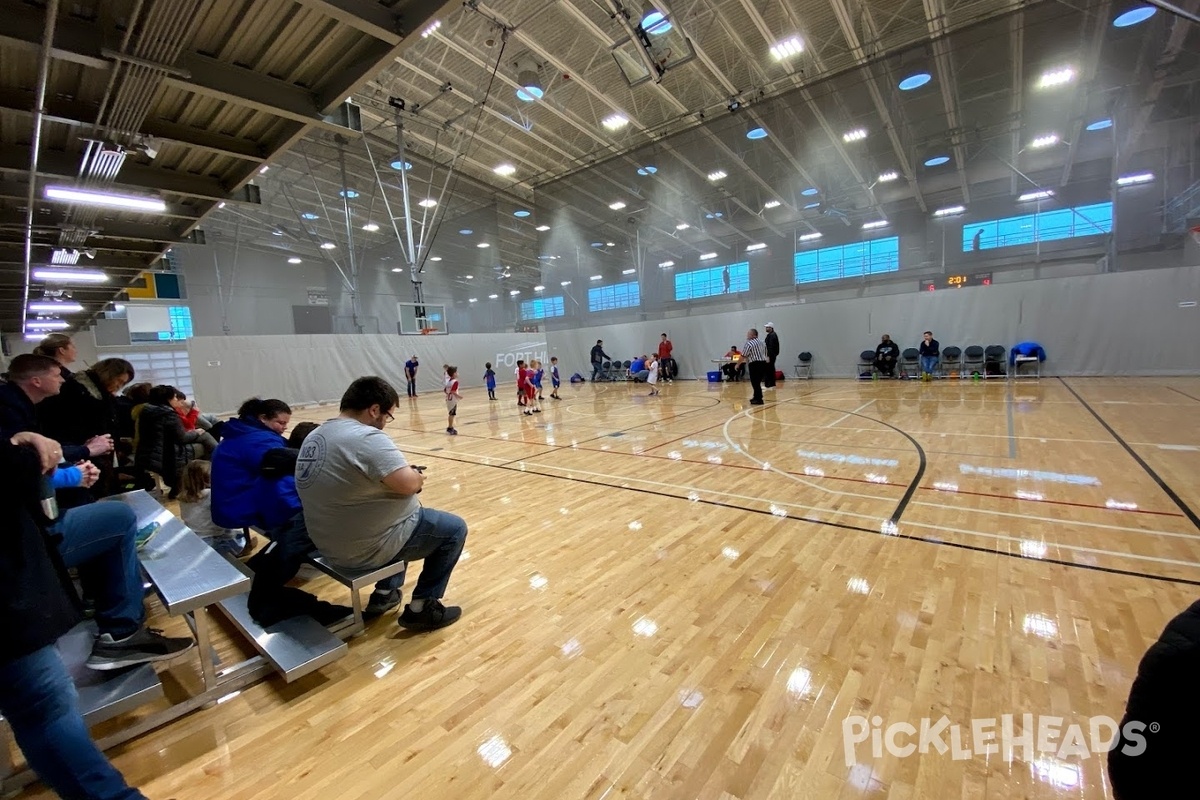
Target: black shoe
(380, 604)
(140, 648)
(433, 615)
(756, 402)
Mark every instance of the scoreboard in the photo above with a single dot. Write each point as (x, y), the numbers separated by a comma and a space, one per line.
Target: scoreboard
(956, 281)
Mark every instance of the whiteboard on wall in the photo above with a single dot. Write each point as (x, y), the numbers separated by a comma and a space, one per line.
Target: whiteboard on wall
(148, 319)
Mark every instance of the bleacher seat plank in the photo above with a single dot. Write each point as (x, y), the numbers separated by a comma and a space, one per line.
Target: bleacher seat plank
(295, 647)
(105, 694)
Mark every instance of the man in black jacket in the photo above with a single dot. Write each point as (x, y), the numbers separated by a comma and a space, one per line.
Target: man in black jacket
(771, 340)
(886, 356)
(98, 539)
(598, 356)
(1153, 755)
(37, 696)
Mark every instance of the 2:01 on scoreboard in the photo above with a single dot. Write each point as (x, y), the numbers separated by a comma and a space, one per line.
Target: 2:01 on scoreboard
(956, 281)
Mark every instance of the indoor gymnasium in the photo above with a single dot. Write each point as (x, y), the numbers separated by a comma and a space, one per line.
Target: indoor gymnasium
(730, 399)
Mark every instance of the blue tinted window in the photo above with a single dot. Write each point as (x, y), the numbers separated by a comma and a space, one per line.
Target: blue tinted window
(619, 295)
(872, 257)
(711, 281)
(1042, 226)
(542, 307)
(181, 324)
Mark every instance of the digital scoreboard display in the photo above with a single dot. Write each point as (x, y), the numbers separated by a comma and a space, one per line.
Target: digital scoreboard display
(956, 281)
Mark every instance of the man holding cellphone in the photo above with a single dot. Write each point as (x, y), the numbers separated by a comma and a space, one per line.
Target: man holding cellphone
(361, 508)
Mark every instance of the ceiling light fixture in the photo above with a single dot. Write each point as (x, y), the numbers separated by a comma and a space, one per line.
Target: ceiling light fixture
(48, 324)
(435, 258)
(666, 264)
(886, 177)
(370, 227)
(55, 308)
(469, 277)
(610, 244)
(870, 226)
(483, 245)
(309, 215)
(264, 169)
(428, 202)
(811, 205)
(295, 260)
(655, 23)
(430, 28)
(750, 248)
(504, 170)
(856, 135)
(915, 81)
(521, 213)
(514, 292)
(349, 194)
(596, 278)
(811, 237)
(614, 122)
(949, 211)
(792, 46)
(756, 132)
(465, 231)
(1131, 180)
(649, 169)
(539, 288)
(617, 206)
(707, 256)
(564, 283)
(716, 175)
(1099, 124)
(1134, 16)
(327, 245)
(542, 228)
(1044, 141)
(772, 204)
(472, 299)
(1056, 77)
(810, 191)
(397, 163)
(492, 296)
(1039, 195)
(629, 271)
(937, 161)
(70, 276)
(105, 199)
(683, 226)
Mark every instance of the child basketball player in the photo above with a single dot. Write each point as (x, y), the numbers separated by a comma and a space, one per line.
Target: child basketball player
(538, 372)
(452, 398)
(521, 382)
(555, 380)
(652, 377)
(489, 377)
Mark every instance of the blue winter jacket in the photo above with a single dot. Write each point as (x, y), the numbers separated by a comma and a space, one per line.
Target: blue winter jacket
(241, 496)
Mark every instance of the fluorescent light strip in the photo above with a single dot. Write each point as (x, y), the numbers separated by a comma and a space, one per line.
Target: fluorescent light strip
(787, 48)
(105, 199)
(666, 264)
(683, 226)
(504, 170)
(949, 211)
(617, 206)
(428, 202)
(542, 228)
(55, 308)
(69, 276)
(870, 226)
(756, 246)
(47, 325)
(1041, 195)
(628, 271)
(811, 237)
(596, 278)
(707, 256)
(1130, 180)
(564, 283)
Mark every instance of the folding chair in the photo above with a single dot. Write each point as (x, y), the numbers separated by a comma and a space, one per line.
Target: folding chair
(804, 367)
(973, 361)
(951, 361)
(910, 362)
(995, 361)
(865, 369)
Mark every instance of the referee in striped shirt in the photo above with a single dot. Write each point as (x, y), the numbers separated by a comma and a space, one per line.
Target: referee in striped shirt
(754, 352)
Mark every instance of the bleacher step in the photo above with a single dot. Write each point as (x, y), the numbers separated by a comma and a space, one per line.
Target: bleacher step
(295, 647)
(104, 694)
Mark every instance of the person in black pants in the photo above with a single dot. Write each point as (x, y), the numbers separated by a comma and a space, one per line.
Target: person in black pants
(754, 352)
(772, 342)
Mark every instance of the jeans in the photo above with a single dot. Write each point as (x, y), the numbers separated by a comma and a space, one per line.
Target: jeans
(641, 375)
(411, 384)
(438, 540)
(929, 363)
(99, 540)
(596, 366)
(39, 701)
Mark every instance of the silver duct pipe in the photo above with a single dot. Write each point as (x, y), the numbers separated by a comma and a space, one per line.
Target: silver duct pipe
(39, 112)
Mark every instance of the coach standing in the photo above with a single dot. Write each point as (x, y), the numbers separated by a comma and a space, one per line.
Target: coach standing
(754, 352)
(772, 342)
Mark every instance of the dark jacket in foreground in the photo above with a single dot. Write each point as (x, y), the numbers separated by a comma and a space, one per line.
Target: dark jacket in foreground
(1165, 696)
(162, 443)
(36, 606)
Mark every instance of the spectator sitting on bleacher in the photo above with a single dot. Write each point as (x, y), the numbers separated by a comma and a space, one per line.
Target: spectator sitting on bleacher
(886, 355)
(637, 369)
(253, 486)
(163, 446)
(195, 509)
(193, 419)
(101, 540)
(37, 696)
(360, 501)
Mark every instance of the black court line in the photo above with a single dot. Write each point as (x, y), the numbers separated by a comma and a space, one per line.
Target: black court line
(1185, 394)
(845, 526)
(1183, 506)
(906, 498)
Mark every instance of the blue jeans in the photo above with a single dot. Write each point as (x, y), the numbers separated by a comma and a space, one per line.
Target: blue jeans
(411, 385)
(99, 540)
(929, 364)
(596, 366)
(438, 540)
(39, 701)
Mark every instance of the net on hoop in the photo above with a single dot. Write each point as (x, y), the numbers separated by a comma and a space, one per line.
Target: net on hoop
(427, 331)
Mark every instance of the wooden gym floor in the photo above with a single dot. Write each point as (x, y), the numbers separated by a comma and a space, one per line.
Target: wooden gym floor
(685, 596)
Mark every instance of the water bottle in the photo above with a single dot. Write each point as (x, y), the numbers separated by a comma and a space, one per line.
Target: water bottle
(47, 498)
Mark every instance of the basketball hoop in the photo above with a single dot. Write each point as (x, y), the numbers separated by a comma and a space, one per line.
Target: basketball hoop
(427, 331)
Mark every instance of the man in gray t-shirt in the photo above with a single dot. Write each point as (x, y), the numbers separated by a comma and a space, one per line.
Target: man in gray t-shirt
(360, 506)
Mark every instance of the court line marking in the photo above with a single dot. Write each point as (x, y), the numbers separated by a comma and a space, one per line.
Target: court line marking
(1008, 407)
(846, 526)
(1185, 394)
(1178, 447)
(1184, 507)
(848, 414)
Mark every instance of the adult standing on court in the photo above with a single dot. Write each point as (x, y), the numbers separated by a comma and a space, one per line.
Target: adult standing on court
(772, 343)
(598, 356)
(666, 363)
(410, 375)
(754, 352)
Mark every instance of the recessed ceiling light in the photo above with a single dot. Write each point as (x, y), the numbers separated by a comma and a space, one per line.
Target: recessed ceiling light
(809, 237)
(1099, 124)
(505, 170)
(370, 227)
(399, 164)
(1134, 16)
(856, 135)
(430, 28)
(435, 258)
(1044, 141)
(870, 226)
(655, 24)
(915, 81)
(483, 245)
(530, 94)
(596, 278)
(756, 246)
(472, 299)
(628, 271)
(564, 283)
(891, 175)
(647, 170)
(492, 296)
(716, 175)
(1056, 77)
(936, 161)
(810, 191)
(614, 122)
(327, 245)
(949, 211)
(295, 260)
(787, 48)
(756, 132)
(465, 231)
(309, 215)
(1039, 195)
(772, 204)
(349, 194)
(1130, 180)
(542, 228)
(683, 226)
(666, 264)
(428, 202)
(617, 206)
(707, 256)
(521, 213)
